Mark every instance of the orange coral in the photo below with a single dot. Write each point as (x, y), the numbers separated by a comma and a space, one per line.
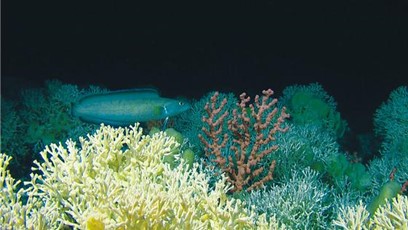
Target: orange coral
(247, 121)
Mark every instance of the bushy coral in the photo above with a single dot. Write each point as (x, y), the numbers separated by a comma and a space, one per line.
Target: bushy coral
(39, 117)
(392, 215)
(344, 173)
(380, 169)
(391, 124)
(304, 146)
(391, 118)
(47, 113)
(387, 209)
(191, 124)
(183, 152)
(11, 206)
(352, 217)
(252, 130)
(122, 179)
(308, 146)
(12, 136)
(311, 104)
(388, 191)
(302, 202)
(116, 179)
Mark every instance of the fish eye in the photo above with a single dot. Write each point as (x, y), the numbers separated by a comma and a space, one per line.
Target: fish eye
(181, 103)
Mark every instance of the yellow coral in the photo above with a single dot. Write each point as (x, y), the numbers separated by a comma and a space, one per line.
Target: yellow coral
(117, 179)
(12, 211)
(392, 215)
(94, 224)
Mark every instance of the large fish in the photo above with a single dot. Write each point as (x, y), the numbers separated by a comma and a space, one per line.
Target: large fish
(126, 107)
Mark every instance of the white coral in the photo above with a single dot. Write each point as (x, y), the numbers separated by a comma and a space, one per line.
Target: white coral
(117, 179)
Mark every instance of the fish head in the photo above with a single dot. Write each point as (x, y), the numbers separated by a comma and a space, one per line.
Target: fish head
(174, 107)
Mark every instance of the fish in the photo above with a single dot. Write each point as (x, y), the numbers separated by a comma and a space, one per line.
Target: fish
(126, 107)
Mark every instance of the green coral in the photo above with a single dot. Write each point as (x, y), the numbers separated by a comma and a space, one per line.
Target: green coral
(40, 116)
(391, 118)
(341, 171)
(47, 113)
(391, 125)
(179, 152)
(310, 104)
(13, 131)
(388, 191)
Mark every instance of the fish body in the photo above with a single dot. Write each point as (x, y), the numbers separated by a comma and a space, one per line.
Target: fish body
(126, 107)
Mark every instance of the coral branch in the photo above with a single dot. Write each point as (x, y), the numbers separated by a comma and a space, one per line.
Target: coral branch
(214, 132)
(252, 128)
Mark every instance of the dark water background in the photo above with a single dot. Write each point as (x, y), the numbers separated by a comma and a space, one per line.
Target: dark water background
(358, 50)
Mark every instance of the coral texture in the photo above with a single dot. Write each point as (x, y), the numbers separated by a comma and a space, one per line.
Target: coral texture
(250, 128)
(116, 179)
(392, 215)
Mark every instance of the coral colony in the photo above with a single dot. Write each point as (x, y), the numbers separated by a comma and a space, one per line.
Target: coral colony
(253, 120)
(220, 162)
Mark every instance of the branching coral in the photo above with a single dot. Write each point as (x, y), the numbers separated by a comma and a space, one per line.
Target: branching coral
(11, 206)
(391, 124)
(40, 116)
(116, 179)
(392, 215)
(302, 202)
(253, 126)
(311, 104)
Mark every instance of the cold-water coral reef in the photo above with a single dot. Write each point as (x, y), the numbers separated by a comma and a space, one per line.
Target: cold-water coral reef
(38, 117)
(312, 105)
(303, 202)
(116, 179)
(122, 178)
(391, 125)
(392, 215)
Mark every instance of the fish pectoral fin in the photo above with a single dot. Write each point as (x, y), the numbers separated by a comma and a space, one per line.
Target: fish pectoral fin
(165, 123)
(158, 110)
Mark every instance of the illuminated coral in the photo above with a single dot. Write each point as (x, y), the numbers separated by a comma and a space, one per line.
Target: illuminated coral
(116, 179)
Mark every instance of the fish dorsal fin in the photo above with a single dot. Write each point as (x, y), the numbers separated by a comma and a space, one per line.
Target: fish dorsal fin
(140, 93)
(143, 92)
(125, 94)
